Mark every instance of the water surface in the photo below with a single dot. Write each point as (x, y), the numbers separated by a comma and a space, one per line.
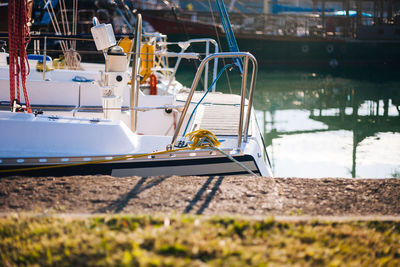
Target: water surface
(342, 122)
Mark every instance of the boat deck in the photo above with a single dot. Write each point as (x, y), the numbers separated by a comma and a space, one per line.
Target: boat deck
(221, 120)
(218, 113)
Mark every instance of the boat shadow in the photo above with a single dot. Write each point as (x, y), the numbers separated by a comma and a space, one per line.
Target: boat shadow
(200, 193)
(119, 204)
(145, 183)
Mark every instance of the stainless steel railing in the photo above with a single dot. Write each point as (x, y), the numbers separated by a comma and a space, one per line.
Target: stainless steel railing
(245, 56)
(135, 73)
(185, 45)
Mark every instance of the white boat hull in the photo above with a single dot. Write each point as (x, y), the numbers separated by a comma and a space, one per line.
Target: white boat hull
(58, 146)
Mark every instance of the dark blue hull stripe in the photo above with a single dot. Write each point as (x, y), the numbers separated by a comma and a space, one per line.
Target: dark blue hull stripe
(203, 166)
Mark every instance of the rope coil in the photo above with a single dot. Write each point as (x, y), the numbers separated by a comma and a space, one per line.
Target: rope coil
(205, 138)
(18, 36)
(202, 138)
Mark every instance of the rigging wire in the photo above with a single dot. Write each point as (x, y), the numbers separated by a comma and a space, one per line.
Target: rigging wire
(230, 36)
(72, 58)
(74, 21)
(219, 44)
(54, 21)
(64, 19)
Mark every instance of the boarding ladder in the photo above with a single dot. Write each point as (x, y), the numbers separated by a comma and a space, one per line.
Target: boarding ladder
(242, 133)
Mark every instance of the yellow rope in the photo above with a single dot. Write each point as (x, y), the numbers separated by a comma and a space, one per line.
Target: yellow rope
(98, 161)
(202, 137)
(206, 138)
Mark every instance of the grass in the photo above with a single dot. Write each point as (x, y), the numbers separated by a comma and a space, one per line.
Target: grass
(120, 240)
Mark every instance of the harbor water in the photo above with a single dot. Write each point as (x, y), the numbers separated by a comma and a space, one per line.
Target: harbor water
(333, 122)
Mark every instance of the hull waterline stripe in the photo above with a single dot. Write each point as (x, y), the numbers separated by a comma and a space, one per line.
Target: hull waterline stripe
(190, 169)
(204, 166)
(96, 161)
(123, 159)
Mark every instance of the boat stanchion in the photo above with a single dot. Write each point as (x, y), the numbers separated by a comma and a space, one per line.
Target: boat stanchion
(134, 102)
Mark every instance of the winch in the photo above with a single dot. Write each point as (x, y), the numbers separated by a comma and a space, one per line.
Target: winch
(115, 76)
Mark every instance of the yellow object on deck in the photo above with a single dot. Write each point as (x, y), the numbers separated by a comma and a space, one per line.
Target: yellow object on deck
(59, 63)
(202, 138)
(147, 61)
(126, 43)
(146, 56)
(39, 67)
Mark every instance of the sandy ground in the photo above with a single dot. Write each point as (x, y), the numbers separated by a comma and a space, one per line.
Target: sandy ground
(237, 195)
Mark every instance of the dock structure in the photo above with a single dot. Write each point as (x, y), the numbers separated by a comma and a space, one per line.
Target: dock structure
(352, 23)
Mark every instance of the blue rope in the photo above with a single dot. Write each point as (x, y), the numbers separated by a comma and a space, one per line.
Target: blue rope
(208, 90)
(81, 79)
(230, 37)
(226, 24)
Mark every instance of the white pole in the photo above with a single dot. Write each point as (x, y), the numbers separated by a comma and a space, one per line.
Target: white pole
(206, 69)
(231, 5)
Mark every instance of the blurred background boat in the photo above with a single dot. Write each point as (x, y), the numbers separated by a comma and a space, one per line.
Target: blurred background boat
(293, 33)
(318, 32)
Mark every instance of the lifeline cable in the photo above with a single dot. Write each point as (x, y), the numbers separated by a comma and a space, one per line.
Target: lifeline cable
(219, 43)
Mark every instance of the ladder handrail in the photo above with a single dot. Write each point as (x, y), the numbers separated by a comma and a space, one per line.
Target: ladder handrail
(243, 55)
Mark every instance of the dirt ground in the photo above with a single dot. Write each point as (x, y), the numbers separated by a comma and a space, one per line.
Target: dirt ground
(238, 195)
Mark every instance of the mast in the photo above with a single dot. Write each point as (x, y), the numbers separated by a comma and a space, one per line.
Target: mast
(266, 7)
(231, 5)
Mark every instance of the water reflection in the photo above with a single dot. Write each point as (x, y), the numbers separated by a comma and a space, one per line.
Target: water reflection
(328, 123)
(319, 125)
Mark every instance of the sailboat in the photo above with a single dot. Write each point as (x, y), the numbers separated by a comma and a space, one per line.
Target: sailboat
(177, 132)
(282, 35)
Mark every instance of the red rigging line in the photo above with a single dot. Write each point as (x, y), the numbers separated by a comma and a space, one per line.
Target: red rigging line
(18, 37)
